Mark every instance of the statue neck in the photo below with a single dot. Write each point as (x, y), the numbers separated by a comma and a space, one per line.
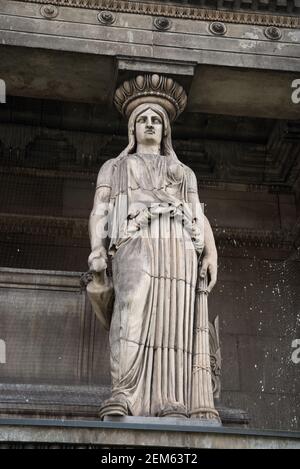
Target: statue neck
(142, 149)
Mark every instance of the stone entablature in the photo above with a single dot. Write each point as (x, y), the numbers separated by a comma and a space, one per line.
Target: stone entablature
(247, 13)
(208, 55)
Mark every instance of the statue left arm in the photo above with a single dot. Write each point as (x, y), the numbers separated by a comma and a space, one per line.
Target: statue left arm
(210, 255)
(210, 259)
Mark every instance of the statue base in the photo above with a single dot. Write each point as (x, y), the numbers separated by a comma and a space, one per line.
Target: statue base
(113, 407)
(169, 422)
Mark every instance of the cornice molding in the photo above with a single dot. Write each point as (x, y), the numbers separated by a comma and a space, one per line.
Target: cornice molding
(176, 11)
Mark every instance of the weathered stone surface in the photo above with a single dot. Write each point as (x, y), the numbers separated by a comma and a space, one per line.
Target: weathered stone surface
(269, 366)
(50, 73)
(230, 88)
(104, 433)
(230, 364)
(188, 42)
(280, 412)
(35, 352)
(229, 209)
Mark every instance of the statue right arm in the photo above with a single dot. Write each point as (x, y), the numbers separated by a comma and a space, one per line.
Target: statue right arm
(98, 222)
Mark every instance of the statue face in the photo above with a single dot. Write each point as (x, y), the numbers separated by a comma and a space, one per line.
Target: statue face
(149, 128)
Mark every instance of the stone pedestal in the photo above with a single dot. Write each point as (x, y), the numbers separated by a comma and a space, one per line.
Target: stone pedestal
(69, 434)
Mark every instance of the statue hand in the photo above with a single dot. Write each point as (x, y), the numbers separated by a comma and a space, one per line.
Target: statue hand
(98, 260)
(210, 267)
(98, 264)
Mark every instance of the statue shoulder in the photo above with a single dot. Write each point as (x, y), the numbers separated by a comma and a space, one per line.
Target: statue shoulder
(106, 173)
(192, 184)
(108, 165)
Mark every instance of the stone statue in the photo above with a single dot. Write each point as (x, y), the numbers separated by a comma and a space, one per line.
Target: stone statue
(148, 220)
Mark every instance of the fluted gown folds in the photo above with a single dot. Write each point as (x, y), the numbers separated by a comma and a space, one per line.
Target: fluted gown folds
(155, 242)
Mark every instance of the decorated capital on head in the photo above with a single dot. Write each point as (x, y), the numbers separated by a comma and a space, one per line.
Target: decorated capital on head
(154, 89)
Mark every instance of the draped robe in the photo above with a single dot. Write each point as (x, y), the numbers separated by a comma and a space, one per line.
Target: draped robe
(155, 240)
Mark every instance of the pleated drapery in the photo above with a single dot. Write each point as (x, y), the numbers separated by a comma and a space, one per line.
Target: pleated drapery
(152, 325)
(154, 244)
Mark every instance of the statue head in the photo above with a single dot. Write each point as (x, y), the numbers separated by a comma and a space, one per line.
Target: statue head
(149, 127)
(150, 102)
(146, 117)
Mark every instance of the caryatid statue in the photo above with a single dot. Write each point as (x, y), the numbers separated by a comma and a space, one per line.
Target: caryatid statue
(148, 219)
